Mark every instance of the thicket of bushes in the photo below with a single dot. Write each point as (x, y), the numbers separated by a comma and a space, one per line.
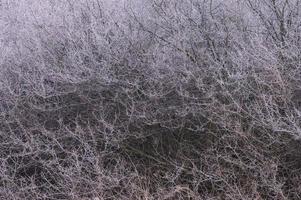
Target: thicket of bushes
(151, 99)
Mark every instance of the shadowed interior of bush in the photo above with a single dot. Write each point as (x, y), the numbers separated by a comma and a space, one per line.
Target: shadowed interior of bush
(94, 121)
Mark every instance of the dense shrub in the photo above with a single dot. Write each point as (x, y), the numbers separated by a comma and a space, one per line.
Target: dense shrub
(150, 99)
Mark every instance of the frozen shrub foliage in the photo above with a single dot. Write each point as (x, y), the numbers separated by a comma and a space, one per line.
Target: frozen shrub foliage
(152, 99)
